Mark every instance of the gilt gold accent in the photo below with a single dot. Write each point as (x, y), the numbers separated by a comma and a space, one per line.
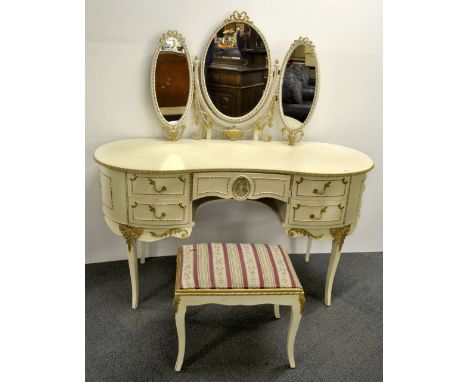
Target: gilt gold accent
(153, 210)
(233, 134)
(344, 181)
(173, 231)
(301, 179)
(155, 188)
(296, 207)
(182, 205)
(239, 292)
(340, 206)
(240, 188)
(134, 204)
(202, 118)
(182, 178)
(339, 234)
(238, 17)
(293, 136)
(130, 234)
(304, 232)
(176, 303)
(326, 185)
(133, 177)
(322, 211)
(302, 302)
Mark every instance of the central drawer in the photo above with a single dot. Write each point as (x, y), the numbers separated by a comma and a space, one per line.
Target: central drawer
(241, 186)
(158, 213)
(163, 186)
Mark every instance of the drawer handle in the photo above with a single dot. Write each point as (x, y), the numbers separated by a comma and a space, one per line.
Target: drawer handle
(153, 210)
(134, 204)
(344, 181)
(133, 177)
(325, 186)
(340, 206)
(324, 209)
(182, 205)
(182, 178)
(301, 179)
(153, 183)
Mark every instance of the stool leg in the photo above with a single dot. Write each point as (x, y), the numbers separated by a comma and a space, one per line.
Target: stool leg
(293, 326)
(277, 311)
(309, 245)
(180, 324)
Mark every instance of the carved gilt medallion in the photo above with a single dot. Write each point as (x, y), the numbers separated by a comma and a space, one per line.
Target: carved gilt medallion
(241, 188)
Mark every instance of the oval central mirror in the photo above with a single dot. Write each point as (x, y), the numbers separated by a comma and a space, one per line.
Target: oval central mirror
(235, 69)
(171, 82)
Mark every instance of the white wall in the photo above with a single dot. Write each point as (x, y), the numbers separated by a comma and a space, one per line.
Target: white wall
(120, 39)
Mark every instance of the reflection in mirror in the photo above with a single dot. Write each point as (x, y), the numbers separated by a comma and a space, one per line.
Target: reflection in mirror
(298, 87)
(172, 80)
(236, 69)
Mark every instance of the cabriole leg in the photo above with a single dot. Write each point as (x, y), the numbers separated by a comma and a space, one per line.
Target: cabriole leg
(142, 252)
(309, 245)
(293, 327)
(133, 265)
(332, 266)
(180, 310)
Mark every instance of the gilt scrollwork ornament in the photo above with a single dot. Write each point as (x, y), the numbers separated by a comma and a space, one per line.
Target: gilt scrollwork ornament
(238, 17)
(339, 234)
(302, 302)
(171, 232)
(304, 232)
(130, 234)
(292, 136)
(175, 303)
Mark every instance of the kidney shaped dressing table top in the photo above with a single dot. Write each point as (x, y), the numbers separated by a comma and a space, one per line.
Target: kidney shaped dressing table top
(151, 188)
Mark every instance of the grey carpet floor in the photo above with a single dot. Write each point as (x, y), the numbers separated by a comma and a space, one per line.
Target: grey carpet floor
(340, 343)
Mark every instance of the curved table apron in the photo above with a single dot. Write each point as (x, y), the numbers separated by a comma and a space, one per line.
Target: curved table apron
(152, 188)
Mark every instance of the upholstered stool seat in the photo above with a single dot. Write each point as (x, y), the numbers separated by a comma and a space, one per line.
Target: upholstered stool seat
(236, 274)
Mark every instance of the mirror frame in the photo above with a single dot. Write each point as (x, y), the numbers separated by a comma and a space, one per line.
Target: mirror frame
(236, 124)
(294, 135)
(173, 131)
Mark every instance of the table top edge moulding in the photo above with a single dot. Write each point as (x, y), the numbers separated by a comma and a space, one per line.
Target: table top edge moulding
(150, 155)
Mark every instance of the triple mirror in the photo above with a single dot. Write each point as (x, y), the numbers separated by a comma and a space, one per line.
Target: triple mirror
(235, 86)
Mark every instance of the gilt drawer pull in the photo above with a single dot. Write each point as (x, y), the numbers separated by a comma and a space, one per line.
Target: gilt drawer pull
(326, 185)
(153, 183)
(134, 204)
(312, 216)
(301, 179)
(182, 178)
(182, 205)
(153, 210)
(344, 181)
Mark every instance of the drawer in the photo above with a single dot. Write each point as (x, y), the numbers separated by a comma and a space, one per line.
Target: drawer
(241, 186)
(163, 186)
(306, 187)
(159, 213)
(316, 213)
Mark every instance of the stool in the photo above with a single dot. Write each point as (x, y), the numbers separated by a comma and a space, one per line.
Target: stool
(236, 274)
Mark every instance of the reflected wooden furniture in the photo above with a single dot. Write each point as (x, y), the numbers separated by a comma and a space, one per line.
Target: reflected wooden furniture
(236, 274)
(151, 189)
(172, 83)
(234, 87)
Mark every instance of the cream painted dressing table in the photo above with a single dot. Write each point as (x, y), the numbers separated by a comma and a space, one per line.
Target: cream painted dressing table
(151, 188)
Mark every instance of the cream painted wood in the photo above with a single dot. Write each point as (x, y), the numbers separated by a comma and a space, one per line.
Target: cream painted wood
(133, 266)
(332, 266)
(292, 300)
(308, 248)
(142, 251)
(152, 187)
(277, 311)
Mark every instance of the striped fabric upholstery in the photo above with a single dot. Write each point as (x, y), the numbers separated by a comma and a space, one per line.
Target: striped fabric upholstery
(235, 266)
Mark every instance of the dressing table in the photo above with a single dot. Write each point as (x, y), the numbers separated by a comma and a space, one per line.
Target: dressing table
(151, 188)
